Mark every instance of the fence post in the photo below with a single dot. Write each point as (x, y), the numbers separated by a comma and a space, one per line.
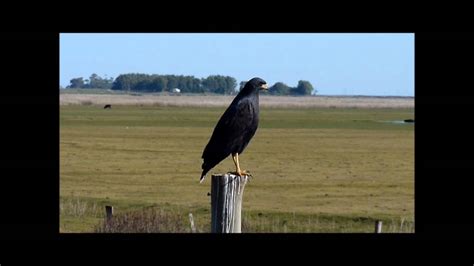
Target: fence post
(226, 203)
(109, 213)
(191, 220)
(378, 227)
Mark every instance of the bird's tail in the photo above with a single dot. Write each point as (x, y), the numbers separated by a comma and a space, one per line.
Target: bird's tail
(204, 172)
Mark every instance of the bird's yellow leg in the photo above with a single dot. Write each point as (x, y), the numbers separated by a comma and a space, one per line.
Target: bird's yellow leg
(236, 162)
(235, 157)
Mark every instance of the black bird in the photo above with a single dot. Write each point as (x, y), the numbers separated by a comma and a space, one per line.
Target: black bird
(107, 106)
(235, 128)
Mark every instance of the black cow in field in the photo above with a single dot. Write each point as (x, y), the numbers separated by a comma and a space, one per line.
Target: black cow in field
(107, 106)
(409, 120)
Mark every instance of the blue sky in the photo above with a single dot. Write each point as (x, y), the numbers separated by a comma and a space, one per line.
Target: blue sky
(336, 64)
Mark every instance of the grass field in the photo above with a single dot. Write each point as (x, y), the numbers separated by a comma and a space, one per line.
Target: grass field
(315, 169)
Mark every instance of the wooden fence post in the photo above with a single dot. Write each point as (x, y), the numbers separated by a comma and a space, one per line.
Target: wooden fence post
(191, 220)
(226, 203)
(109, 213)
(378, 227)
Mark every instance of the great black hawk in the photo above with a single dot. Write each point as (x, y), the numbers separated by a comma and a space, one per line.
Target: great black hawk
(235, 128)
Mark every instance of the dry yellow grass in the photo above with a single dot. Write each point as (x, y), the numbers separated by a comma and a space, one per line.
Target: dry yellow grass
(221, 101)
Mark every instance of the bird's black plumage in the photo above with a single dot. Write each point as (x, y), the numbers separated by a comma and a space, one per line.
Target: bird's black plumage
(236, 127)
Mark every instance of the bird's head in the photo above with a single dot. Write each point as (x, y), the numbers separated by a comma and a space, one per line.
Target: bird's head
(256, 84)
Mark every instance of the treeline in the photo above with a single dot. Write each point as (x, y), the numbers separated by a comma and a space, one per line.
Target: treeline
(186, 84)
(303, 88)
(94, 82)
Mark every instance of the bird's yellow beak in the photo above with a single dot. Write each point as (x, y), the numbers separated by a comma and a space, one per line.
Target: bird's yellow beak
(264, 87)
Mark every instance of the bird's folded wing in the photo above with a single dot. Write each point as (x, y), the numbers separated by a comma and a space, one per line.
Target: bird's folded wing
(230, 129)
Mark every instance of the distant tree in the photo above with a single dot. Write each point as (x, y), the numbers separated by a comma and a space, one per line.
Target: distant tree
(94, 81)
(182, 83)
(209, 84)
(123, 82)
(172, 82)
(159, 83)
(279, 88)
(97, 82)
(76, 83)
(195, 85)
(231, 83)
(242, 85)
(304, 88)
(143, 85)
(219, 84)
(128, 82)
